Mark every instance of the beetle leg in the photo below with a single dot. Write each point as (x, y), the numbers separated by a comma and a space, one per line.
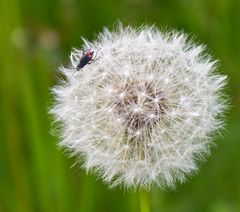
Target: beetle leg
(94, 59)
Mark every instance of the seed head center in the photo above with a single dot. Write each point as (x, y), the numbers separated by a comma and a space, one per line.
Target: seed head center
(140, 104)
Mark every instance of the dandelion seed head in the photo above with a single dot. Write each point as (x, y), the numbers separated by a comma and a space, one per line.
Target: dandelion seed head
(145, 110)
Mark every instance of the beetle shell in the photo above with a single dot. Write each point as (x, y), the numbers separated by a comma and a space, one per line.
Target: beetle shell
(85, 59)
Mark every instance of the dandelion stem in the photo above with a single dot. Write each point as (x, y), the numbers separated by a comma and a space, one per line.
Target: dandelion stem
(144, 201)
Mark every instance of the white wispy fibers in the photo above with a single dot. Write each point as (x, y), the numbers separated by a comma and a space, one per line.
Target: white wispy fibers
(144, 112)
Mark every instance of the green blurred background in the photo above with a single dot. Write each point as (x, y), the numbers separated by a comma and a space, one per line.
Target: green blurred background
(35, 38)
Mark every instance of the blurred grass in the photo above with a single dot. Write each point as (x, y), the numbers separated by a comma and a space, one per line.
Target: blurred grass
(35, 37)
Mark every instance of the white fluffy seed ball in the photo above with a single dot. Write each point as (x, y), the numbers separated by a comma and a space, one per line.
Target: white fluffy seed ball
(144, 110)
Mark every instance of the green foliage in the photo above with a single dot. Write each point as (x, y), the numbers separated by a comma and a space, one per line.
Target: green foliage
(35, 37)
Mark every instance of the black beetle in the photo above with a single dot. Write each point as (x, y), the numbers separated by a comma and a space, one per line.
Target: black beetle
(86, 58)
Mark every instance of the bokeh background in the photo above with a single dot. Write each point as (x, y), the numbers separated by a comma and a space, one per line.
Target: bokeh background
(35, 38)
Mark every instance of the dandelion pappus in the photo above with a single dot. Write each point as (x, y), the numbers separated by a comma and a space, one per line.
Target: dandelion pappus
(86, 58)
